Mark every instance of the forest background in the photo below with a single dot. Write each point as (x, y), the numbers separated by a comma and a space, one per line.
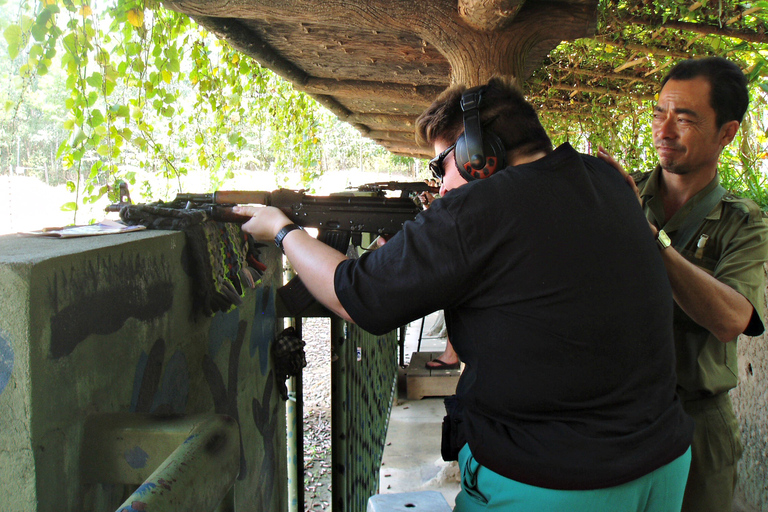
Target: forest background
(101, 92)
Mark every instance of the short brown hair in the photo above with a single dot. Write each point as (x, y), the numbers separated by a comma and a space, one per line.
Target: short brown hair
(503, 111)
(728, 96)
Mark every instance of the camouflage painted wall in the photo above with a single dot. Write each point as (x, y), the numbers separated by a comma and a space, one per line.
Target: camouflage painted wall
(105, 324)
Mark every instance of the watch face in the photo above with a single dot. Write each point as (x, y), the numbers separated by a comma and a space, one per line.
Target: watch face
(663, 239)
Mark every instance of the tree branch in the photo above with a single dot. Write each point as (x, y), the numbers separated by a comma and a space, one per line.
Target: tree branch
(699, 28)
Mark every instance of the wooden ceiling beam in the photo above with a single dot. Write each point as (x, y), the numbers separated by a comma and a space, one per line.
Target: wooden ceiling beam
(392, 135)
(422, 95)
(384, 121)
(411, 149)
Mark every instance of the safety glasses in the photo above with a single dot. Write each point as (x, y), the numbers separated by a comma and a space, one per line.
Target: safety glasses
(436, 164)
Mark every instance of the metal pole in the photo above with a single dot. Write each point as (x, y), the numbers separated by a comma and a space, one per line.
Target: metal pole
(295, 420)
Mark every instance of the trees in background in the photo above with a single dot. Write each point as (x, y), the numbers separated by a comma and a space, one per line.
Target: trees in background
(95, 94)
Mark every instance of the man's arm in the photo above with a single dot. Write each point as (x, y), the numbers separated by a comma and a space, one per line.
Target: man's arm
(314, 261)
(710, 303)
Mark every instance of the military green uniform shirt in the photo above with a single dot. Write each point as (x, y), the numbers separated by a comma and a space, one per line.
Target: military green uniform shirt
(732, 245)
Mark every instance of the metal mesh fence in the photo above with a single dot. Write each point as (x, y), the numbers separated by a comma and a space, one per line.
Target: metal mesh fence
(363, 383)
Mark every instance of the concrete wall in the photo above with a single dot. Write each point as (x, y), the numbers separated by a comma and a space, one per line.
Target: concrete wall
(104, 324)
(750, 400)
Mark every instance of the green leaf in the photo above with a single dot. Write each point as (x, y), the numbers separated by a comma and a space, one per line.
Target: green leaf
(97, 118)
(78, 137)
(137, 65)
(69, 207)
(39, 32)
(173, 65)
(12, 36)
(95, 80)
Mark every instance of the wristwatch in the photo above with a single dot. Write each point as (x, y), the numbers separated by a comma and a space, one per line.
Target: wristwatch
(662, 240)
(282, 233)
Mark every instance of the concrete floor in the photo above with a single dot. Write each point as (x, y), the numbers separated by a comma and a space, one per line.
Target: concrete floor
(411, 460)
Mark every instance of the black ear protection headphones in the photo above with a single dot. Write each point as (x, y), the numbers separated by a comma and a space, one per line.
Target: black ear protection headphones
(479, 153)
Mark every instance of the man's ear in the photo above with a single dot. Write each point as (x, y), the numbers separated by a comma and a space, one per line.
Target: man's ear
(728, 132)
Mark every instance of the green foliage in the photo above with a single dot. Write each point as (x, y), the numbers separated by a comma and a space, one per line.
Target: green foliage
(600, 91)
(132, 91)
(148, 90)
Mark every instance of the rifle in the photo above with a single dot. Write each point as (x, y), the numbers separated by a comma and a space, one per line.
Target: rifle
(407, 188)
(340, 218)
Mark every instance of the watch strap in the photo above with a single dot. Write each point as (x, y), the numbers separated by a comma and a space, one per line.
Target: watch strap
(282, 234)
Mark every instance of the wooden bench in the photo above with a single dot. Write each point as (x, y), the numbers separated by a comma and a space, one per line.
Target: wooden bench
(421, 381)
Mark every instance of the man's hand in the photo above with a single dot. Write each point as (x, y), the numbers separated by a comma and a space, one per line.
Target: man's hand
(267, 221)
(603, 155)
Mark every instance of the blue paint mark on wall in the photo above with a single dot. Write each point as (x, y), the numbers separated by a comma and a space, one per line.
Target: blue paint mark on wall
(138, 375)
(224, 326)
(136, 457)
(6, 361)
(174, 389)
(263, 329)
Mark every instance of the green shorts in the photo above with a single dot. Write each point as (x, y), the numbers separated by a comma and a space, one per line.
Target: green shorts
(484, 490)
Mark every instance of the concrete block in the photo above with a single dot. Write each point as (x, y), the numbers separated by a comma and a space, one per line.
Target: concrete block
(420, 501)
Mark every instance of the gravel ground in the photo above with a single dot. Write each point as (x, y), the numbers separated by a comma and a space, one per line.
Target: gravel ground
(317, 414)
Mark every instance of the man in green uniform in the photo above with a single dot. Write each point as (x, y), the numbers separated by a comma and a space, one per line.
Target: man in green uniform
(714, 245)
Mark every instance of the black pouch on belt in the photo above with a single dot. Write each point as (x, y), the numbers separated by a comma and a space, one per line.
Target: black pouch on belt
(453, 439)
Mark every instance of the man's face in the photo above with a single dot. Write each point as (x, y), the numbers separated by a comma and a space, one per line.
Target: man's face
(685, 134)
(451, 179)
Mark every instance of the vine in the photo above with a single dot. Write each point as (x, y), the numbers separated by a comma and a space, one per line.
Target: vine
(149, 90)
(150, 93)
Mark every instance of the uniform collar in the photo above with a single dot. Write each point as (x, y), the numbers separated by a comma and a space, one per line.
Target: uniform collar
(651, 198)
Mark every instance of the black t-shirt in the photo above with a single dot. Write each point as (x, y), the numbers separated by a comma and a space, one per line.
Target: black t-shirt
(557, 300)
